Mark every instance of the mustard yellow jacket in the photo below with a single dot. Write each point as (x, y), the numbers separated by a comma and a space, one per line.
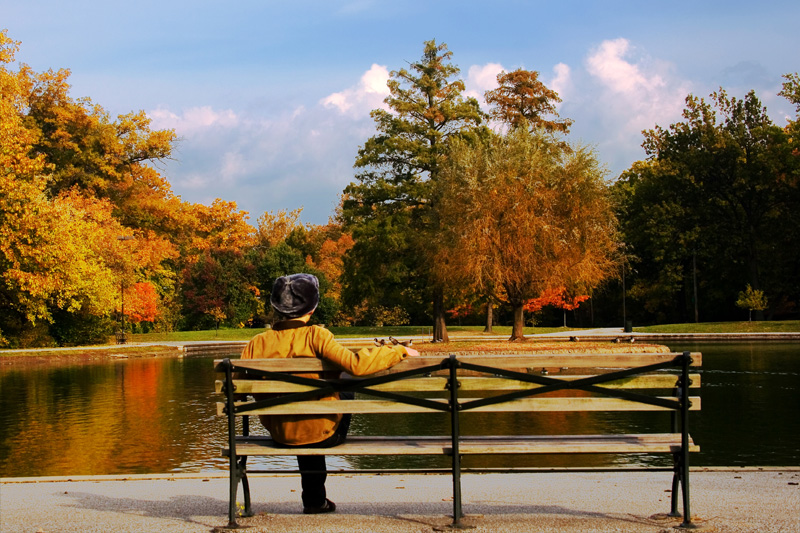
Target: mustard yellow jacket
(295, 338)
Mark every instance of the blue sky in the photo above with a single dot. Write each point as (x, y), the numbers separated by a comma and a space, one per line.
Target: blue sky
(271, 100)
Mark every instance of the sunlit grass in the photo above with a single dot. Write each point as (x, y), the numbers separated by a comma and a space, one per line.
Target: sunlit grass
(776, 326)
(243, 334)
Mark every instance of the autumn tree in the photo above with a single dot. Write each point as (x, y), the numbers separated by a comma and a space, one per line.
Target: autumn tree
(389, 210)
(284, 245)
(522, 100)
(141, 303)
(38, 232)
(524, 213)
(66, 167)
(558, 297)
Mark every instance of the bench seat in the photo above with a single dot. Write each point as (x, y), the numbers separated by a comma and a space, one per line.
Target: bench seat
(475, 445)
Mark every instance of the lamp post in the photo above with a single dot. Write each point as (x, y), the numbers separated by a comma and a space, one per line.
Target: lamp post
(121, 338)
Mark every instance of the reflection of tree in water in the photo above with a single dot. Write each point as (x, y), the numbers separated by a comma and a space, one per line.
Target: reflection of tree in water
(133, 416)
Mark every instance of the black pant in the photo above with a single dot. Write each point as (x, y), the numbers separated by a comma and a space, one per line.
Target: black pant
(313, 470)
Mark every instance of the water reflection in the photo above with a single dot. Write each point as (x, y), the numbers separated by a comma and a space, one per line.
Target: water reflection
(139, 416)
(158, 415)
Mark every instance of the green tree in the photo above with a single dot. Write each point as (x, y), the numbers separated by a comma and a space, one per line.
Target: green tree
(791, 89)
(661, 220)
(389, 210)
(715, 203)
(752, 300)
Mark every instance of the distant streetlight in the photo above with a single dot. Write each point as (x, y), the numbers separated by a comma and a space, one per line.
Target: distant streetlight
(121, 337)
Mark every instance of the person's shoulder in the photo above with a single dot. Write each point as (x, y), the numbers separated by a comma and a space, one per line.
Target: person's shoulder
(264, 334)
(320, 331)
(261, 338)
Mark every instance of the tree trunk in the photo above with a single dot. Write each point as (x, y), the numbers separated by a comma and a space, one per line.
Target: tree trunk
(489, 318)
(439, 326)
(519, 322)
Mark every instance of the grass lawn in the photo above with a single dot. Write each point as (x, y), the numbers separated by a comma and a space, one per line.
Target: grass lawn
(455, 331)
(244, 334)
(777, 326)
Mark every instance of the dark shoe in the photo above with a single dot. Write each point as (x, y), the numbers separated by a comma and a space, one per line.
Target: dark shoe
(329, 507)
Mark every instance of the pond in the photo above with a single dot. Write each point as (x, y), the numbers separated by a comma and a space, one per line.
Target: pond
(158, 416)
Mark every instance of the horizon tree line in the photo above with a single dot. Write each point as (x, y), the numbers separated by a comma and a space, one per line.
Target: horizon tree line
(452, 208)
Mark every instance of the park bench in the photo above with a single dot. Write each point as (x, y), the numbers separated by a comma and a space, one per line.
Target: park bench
(456, 386)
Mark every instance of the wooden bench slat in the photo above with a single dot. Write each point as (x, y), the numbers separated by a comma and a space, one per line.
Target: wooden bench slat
(468, 383)
(508, 362)
(526, 404)
(475, 445)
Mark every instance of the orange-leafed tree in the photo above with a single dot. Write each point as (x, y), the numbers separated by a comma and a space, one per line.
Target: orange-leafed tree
(522, 100)
(329, 260)
(523, 213)
(557, 297)
(141, 303)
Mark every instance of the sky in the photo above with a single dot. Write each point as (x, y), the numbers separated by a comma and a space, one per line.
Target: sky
(270, 100)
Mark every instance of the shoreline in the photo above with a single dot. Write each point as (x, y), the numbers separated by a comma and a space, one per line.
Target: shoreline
(586, 340)
(223, 474)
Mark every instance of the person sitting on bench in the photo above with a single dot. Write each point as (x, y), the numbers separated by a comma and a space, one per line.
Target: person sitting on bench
(295, 298)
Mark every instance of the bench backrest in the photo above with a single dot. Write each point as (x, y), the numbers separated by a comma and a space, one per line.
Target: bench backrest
(507, 383)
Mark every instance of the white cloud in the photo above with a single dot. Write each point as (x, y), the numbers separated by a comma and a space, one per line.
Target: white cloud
(360, 99)
(302, 157)
(562, 80)
(608, 64)
(481, 79)
(193, 119)
(643, 91)
(625, 92)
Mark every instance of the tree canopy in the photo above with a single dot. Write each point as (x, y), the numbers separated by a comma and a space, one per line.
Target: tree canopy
(523, 214)
(716, 202)
(522, 100)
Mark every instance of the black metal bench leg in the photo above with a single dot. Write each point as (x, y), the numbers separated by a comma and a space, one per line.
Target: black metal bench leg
(455, 433)
(237, 471)
(248, 511)
(687, 513)
(233, 488)
(676, 484)
(684, 451)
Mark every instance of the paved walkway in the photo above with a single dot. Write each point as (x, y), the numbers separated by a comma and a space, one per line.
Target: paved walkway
(725, 500)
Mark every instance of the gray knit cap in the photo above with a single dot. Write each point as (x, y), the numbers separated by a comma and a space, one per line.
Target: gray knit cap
(296, 295)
